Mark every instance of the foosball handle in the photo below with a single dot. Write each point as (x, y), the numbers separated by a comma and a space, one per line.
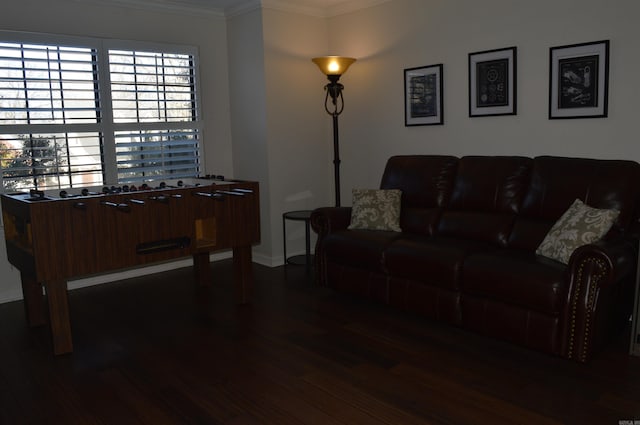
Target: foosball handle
(119, 206)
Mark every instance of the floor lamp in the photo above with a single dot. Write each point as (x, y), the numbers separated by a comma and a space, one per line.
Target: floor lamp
(333, 67)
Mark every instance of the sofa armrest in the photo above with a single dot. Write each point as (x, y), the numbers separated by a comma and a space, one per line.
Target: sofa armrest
(601, 278)
(328, 219)
(324, 221)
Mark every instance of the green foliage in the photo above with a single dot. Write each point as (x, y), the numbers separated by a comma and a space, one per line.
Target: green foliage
(30, 166)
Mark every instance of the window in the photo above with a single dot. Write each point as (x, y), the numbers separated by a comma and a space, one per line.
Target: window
(155, 88)
(49, 116)
(91, 112)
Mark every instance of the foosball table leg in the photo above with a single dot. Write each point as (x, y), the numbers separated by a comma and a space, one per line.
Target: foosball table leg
(202, 268)
(59, 316)
(242, 274)
(33, 300)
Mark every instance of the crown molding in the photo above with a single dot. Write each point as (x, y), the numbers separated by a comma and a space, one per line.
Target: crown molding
(191, 8)
(293, 7)
(341, 8)
(351, 6)
(242, 8)
(199, 7)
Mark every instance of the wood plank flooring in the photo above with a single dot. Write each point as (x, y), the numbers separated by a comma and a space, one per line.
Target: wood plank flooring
(158, 350)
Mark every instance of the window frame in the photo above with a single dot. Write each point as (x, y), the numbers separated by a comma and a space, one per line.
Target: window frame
(106, 126)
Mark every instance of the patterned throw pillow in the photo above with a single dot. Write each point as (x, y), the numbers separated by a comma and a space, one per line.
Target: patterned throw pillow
(376, 209)
(579, 225)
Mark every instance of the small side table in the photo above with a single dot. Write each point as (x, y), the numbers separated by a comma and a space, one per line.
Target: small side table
(302, 215)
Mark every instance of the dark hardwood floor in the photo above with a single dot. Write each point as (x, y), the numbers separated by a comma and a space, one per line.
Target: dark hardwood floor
(156, 350)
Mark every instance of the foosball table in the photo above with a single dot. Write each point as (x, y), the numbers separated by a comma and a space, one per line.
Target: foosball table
(53, 237)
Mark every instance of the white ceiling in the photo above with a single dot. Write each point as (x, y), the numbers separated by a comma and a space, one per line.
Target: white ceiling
(231, 7)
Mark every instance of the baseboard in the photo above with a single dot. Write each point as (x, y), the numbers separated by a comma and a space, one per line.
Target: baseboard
(267, 261)
(16, 295)
(11, 296)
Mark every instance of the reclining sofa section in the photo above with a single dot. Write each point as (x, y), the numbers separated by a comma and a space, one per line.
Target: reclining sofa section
(467, 250)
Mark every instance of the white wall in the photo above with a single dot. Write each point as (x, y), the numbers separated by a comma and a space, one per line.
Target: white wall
(205, 31)
(282, 136)
(296, 123)
(278, 119)
(248, 114)
(407, 33)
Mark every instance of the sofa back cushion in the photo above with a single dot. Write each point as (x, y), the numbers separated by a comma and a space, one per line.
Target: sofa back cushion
(487, 193)
(556, 182)
(425, 182)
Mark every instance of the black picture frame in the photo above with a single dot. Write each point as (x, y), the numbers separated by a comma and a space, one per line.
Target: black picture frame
(579, 80)
(493, 82)
(423, 95)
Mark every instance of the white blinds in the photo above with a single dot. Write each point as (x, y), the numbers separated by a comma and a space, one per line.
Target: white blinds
(151, 87)
(87, 112)
(42, 84)
(157, 89)
(49, 116)
(51, 160)
(156, 155)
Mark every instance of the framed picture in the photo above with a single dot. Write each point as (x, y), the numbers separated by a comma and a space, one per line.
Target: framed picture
(492, 82)
(423, 96)
(579, 80)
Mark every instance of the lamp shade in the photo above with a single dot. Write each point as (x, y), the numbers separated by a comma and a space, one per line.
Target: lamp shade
(333, 65)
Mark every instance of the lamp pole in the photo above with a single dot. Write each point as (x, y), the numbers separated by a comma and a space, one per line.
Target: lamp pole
(333, 67)
(336, 159)
(334, 90)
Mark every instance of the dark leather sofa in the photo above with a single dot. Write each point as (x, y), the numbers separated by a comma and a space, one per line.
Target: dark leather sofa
(466, 252)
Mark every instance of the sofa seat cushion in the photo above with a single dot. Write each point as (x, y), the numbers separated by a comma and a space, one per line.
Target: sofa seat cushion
(358, 248)
(517, 277)
(434, 260)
